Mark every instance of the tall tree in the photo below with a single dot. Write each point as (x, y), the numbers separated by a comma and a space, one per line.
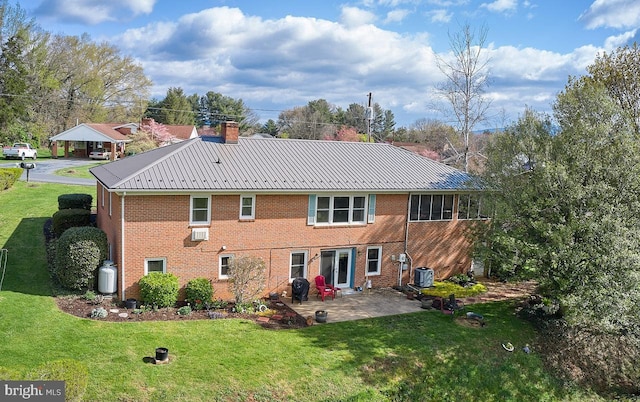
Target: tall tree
(14, 99)
(466, 80)
(215, 108)
(175, 109)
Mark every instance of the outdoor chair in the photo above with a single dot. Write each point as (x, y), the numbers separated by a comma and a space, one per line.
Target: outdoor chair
(324, 289)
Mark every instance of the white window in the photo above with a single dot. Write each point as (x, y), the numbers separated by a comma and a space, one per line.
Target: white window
(223, 263)
(155, 265)
(247, 207)
(374, 260)
(431, 207)
(298, 265)
(200, 212)
(472, 206)
(343, 209)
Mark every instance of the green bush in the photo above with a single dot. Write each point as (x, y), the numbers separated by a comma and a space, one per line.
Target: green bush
(444, 289)
(72, 372)
(159, 290)
(79, 253)
(199, 292)
(73, 201)
(69, 218)
(8, 176)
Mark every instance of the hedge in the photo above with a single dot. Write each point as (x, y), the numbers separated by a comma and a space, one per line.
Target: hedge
(72, 201)
(159, 290)
(69, 218)
(79, 253)
(8, 176)
(199, 292)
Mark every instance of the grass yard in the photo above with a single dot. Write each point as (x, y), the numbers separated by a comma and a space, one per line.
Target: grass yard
(424, 356)
(81, 172)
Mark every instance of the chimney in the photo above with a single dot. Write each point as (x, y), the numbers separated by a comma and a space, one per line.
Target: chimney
(229, 132)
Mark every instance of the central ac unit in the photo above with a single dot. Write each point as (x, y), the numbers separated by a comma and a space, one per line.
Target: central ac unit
(199, 234)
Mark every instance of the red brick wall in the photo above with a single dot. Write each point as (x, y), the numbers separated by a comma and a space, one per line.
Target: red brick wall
(157, 226)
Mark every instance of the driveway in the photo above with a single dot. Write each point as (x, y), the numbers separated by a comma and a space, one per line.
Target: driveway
(45, 169)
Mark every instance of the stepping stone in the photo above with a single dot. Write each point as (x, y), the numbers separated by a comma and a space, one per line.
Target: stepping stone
(263, 319)
(276, 317)
(114, 311)
(123, 315)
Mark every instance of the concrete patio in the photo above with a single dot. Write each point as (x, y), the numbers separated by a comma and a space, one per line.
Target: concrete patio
(354, 305)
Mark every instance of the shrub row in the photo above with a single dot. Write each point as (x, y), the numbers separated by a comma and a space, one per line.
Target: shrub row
(69, 218)
(78, 254)
(75, 201)
(8, 176)
(161, 290)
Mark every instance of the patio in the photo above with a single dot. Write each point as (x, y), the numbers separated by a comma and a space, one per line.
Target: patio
(387, 301)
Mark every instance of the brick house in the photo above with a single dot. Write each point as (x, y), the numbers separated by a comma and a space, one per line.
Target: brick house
(345, 210)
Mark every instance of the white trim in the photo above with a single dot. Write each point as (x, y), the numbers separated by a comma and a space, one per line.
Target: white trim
(110, 203)
(305, 263)
(147, 260)
(430, 213)
(220, 257)
(102, 192)
(191, 209)
(252, 216)
(331, 210)
(379, 260)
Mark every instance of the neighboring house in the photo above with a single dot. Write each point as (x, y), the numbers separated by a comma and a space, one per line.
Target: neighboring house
(86, 137)
(346, 210)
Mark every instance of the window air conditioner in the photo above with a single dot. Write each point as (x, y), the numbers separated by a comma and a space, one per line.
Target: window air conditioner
(199, 234)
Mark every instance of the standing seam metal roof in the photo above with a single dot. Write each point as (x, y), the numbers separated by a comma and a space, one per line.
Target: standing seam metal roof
(259, 164)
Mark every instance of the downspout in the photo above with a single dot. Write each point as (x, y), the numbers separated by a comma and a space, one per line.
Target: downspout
(406, 243)
(122, 245)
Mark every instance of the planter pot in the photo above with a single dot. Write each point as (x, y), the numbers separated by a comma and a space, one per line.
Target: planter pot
(162, 354)
(321, 316)
(131, 304)
(273, 296)
(427, 303)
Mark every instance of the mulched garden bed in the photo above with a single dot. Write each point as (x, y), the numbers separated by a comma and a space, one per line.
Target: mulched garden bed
(283, 316)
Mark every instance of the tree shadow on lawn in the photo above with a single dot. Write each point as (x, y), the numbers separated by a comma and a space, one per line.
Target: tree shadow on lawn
(428, 356)
(26, 271)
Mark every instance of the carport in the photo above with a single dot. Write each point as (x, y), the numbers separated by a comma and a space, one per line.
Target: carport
(86, 137)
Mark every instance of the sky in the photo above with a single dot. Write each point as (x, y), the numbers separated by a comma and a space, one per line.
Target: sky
(278, 54)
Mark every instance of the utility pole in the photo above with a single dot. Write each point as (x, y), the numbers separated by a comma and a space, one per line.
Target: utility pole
(369, 118)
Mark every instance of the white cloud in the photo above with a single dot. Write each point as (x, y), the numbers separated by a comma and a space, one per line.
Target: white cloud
(440, 16)
(353, 16)
(93, 12)
(289, 61)
(621, 14)
(501, 6)
(614, 42)
(397, 15)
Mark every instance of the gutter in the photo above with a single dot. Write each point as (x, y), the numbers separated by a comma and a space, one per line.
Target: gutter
(406, 244)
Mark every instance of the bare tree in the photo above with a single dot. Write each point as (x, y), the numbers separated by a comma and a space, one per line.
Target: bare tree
(466, 80)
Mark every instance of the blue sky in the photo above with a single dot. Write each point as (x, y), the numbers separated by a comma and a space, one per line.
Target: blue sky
(277, 54)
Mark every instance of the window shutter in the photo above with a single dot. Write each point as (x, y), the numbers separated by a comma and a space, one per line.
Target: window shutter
(311, 215)
(372, 209)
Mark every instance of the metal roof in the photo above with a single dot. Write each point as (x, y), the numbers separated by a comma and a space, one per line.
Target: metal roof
(279, 165)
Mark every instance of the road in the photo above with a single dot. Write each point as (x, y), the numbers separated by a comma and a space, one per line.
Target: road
(45, 169)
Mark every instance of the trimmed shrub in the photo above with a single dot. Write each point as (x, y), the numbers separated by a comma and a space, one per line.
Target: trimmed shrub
(159, 290)
(72, 372)
(79, 253)
(73, 201)
(8, 176)
(199, 293)
(69, 218)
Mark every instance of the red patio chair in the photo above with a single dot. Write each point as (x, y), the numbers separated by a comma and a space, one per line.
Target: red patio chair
(324, 289)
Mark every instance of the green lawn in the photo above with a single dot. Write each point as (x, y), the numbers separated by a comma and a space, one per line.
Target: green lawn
(416, 357)
(80, 171)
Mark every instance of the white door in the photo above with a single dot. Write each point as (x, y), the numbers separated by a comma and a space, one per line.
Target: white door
(335, 266)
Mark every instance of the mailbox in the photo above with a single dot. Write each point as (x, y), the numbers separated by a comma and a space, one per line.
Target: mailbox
(27, 166)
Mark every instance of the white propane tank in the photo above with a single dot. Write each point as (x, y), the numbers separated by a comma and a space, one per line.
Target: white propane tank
(107, 278)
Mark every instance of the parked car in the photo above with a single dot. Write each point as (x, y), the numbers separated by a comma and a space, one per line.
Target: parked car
(100, 153)
(20, 150)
